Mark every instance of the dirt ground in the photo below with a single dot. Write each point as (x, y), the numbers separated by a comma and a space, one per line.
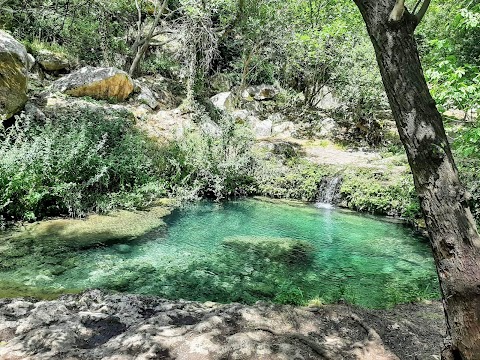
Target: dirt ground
(97, 325)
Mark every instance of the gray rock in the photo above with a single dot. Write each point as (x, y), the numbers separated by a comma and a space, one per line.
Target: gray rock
(263, 128)
(284, 130)
(240, 115)
(210, 128)
(14, 76)
(30, 61)
(326, 99)
(259, 92)
(96, 325)
(33, 112)
(147, 97)
(52, 61)
(223, 101)
(98, 83)
(328, 127)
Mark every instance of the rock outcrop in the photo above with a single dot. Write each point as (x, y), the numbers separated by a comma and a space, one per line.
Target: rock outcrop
(223, 101)
(147, 97)
(13, 76)
(95, 325)
(98, 83)
(52, 61)
(259, 92)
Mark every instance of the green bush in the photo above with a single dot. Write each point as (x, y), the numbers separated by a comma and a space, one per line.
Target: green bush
(296, 179)
(215, 163)
(75, 163)
(369, 191)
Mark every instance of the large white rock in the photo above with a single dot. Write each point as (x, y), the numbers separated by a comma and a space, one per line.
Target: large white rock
(259, 92)
(285, 129)
(223, 101)
(13, 76)
(326, 99)
(263, 128)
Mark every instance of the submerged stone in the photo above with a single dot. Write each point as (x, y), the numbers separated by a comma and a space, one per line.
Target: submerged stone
(80, 233)
(279, 249)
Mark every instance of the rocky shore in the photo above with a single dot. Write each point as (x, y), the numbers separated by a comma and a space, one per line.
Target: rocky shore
(98, 325)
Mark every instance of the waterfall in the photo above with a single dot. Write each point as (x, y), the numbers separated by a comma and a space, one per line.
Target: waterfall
(328, 191)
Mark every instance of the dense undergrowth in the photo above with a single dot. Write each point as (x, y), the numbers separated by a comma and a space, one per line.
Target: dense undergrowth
(75, 163)
(82, 160)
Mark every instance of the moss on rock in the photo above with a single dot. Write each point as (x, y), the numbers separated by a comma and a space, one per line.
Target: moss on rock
(120, 225)
(280, 249)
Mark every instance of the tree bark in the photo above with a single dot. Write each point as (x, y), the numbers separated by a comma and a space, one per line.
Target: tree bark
(453, 234)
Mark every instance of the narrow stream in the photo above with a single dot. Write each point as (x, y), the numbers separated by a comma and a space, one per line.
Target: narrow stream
(241, 251)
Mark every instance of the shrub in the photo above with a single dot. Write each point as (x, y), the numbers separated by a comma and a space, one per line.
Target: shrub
(369, 191)
(295, 179)
(75, 163)
(216, 162)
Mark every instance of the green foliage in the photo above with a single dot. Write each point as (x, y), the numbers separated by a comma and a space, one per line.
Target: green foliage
(467, 142)
(450, 36)
(373, 192)
(75, 163)
(216, 162)
(296, 179)
(468, 169)
(94, 32)
(289, 294)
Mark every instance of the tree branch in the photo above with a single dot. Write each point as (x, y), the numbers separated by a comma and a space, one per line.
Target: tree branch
(397, 12)
(421, 13)
(416, 6)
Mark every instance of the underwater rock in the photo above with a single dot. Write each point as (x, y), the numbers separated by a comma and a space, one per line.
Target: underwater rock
(279, 249)
(117, 226)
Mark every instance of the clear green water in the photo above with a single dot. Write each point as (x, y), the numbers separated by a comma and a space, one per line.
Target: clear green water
(233, 251)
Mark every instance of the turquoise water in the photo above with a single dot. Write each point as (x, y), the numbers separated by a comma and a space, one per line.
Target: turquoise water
(245, 251)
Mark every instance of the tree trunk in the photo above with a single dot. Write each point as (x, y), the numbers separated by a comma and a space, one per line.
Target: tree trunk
(141, 49)
(453, 234)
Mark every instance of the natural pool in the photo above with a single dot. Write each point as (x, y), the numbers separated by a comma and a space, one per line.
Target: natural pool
(240, 251)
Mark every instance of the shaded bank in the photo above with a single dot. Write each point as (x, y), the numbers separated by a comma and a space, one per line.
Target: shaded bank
(96, 325)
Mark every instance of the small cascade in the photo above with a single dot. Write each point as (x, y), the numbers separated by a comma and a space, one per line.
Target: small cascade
(328, 192)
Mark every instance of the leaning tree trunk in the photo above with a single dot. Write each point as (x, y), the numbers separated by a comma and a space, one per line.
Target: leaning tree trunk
(453, 234)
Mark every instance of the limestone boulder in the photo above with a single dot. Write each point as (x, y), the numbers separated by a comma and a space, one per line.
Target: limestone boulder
(285, 129)
(223, 101)
(13, 76)
(259, 92)
(328, 128)
(326, 100)
(30, 61)
(146, 96)
(96, 82)
(52, 61)
(262, 128)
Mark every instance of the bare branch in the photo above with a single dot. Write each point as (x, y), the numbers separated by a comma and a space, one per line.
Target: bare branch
(159, 9)
(416, 6)
(422, 11)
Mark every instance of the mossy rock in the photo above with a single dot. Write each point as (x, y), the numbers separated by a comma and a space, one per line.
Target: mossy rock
(286, 250)
(13, 76)
(119, 226)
